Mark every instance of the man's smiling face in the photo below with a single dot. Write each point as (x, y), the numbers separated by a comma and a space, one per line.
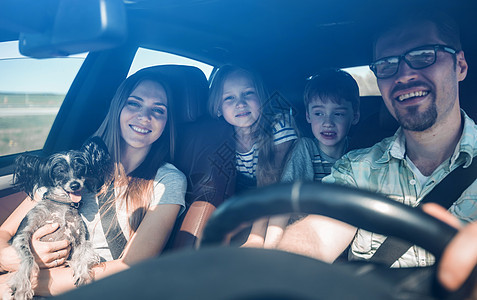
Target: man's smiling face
(418, 98)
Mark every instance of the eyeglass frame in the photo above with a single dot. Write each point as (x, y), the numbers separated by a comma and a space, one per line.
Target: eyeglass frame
(402, 57)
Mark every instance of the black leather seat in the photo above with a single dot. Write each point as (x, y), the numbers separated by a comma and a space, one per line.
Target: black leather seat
(376, 123)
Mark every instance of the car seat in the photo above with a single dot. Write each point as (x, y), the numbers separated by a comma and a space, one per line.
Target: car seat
(376, 123)
(189, 88)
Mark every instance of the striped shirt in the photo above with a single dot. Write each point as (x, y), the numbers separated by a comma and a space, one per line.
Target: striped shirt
(246, 163)
(384, 169)
(307, 162)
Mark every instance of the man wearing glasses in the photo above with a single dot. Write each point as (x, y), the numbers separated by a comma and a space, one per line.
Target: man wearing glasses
(419, 64)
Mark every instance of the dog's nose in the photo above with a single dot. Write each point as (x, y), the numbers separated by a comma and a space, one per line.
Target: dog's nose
(75, 185)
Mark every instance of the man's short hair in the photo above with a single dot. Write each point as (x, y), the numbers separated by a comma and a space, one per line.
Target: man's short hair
(332, 84)
(447, 28)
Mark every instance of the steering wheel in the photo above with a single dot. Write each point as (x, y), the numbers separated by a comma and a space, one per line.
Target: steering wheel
(221, 272)
(362, 209)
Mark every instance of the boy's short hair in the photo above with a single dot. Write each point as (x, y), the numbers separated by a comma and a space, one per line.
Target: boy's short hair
(332, 84)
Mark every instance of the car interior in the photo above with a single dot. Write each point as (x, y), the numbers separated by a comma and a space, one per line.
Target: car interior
(285, 42)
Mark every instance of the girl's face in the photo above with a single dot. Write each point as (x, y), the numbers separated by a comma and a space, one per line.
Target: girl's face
(144, 116)
(240, 101)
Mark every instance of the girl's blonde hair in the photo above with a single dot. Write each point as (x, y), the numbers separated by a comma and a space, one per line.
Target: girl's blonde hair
(262, 131)
(139, 183)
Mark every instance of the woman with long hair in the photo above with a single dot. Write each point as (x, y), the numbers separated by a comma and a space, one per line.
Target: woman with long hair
(131, 219)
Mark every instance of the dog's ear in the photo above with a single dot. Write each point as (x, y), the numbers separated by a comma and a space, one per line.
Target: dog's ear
(26, 175)
(99, 160)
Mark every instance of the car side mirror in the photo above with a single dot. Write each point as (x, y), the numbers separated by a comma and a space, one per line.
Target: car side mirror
(66, 27)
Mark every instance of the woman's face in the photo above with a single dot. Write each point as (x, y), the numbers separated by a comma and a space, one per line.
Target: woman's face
(144, 116)
(240, 101)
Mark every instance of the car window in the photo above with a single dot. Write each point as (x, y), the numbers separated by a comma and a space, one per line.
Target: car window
(366, 80)
(31, 93)
(148, 57)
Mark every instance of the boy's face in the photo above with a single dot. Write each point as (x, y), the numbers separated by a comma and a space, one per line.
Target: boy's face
(330, 123)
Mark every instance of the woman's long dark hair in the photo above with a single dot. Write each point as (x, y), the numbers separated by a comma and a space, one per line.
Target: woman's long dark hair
(140, 182)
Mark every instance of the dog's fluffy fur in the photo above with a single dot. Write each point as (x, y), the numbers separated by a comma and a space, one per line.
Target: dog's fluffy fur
(63, 176)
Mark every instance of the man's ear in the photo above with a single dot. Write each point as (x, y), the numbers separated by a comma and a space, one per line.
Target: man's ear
(356, 116)
(462, 66)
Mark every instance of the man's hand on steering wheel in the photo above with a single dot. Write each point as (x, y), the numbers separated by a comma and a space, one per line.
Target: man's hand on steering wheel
(460, 257)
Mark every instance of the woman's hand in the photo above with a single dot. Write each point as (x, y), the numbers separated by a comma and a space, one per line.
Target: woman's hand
(49, 254)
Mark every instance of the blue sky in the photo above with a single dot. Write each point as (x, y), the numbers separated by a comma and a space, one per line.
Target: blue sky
(20, 74)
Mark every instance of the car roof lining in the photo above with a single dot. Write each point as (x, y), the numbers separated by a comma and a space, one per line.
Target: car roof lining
(265, 35)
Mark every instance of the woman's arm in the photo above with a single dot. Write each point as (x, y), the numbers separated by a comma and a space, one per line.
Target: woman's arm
(45, 252)
(147, 242)
(153, 233)
(317, 236)
(8, 256)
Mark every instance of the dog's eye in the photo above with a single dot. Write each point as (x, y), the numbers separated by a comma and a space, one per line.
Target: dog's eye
(81, 169)
(59, 169)
(59, 172)
(79, 166)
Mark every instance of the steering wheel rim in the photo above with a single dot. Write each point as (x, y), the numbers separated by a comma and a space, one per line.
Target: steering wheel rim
(362, 209)
(245, 273)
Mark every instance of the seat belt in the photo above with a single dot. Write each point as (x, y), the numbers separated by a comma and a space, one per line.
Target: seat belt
(109, 221)
(445, 193)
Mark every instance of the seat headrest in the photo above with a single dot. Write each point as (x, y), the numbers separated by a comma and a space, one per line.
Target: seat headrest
(189, 88)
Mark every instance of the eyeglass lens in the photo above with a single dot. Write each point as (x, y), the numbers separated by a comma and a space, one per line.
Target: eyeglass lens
(416, 59)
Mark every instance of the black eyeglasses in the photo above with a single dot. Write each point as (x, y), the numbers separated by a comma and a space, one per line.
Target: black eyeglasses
(417, 58)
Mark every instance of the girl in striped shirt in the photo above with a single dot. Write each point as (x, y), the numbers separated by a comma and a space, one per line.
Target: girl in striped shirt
(262, 138)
